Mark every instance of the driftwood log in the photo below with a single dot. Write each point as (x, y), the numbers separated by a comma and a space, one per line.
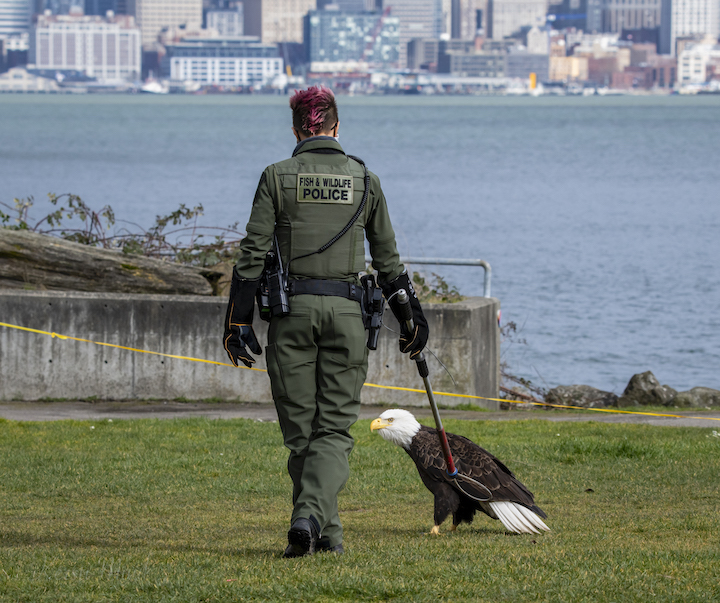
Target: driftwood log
(33, 261)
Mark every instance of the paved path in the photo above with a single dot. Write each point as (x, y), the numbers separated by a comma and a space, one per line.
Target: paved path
(95, 411)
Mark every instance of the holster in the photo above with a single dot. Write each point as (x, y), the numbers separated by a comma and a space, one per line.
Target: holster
(272, 296)
(373, 308)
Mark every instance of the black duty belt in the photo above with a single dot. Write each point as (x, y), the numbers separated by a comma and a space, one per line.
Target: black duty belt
(315, 286)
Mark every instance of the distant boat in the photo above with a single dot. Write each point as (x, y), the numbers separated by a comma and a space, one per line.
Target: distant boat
(154, 87)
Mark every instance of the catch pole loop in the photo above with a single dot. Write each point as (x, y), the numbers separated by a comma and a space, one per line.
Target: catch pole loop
(475, 484)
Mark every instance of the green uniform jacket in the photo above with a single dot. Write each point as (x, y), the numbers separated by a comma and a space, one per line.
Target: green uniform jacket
(306, 200)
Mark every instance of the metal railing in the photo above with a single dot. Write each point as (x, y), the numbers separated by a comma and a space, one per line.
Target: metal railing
(451, 262)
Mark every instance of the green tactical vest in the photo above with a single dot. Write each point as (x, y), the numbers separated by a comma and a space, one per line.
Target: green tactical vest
(315, 202)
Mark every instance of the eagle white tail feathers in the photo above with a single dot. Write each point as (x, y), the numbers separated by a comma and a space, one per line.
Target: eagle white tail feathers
(517, 518)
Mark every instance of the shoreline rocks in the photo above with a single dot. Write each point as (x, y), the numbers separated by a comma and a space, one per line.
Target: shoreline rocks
(643, 389)
(697, 397)
(581, 395)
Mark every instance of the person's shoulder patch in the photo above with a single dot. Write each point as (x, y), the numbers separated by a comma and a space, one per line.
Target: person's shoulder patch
(325, 188)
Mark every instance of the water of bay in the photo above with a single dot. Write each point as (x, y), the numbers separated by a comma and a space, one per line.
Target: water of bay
(599, 216)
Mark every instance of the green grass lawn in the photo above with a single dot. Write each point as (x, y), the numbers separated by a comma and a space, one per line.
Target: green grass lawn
(197, 510)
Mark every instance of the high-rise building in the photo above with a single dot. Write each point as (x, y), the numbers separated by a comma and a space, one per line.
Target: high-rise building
(154, 15)
(418, 19)
(227, 23)
(460, 57)
(14, 17)
(521, 64)
(334, 36)
(346, 6)
(538, 41)
(100, 7)
(223, 62)
(466, 18)
(422, 53)
(631, 14)
(62, 7)
(471, 17)
(594, 16)
(568, 13)
(14, 51)
(276, 20)
(455, 20)
(665, 32)
(508, 17)
(694, 19)
(107, 49)
(694, 60)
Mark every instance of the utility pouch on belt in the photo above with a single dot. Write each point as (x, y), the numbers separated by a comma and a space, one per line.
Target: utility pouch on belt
(272, 296)
(372, 309)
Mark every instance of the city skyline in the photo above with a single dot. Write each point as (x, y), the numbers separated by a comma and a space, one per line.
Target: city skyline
(497, 39)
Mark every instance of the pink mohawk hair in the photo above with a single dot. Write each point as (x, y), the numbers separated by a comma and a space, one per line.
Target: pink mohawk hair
(314, 110)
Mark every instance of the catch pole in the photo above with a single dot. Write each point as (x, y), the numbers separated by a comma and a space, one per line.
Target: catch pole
(469, 486)
(422, 367)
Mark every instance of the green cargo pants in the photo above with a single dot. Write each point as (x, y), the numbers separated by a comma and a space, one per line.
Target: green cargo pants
(317, 362)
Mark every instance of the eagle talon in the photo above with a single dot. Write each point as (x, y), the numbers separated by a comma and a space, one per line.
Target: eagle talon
(435, 531)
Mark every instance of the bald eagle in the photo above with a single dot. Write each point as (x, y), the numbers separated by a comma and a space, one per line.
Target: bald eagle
(507, 499)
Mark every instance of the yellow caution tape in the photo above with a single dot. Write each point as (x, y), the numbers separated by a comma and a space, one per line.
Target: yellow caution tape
(390, 387)
(122, 347)
(611, 410)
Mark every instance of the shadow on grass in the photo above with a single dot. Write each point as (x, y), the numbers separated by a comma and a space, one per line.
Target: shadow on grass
(13, 539)
(490, 531)
(445, 531)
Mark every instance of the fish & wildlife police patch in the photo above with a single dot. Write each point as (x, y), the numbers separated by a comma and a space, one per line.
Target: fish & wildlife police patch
(324, 188)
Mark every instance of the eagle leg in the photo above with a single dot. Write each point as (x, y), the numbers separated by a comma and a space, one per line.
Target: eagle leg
(446, 501)
(464, 513)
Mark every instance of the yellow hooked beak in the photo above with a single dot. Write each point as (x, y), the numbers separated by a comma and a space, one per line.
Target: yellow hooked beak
(378, 424)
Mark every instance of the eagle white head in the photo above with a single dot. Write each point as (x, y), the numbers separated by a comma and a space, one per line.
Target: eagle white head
(397, 426)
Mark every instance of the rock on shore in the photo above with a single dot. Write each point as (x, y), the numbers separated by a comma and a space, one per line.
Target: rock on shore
(645, 390)
(581, 395)
(697, 396)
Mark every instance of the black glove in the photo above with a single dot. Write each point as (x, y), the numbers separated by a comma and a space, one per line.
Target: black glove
(409, 342)
(238, 322)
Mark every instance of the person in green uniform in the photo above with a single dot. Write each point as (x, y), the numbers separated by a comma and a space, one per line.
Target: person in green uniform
(319, 204)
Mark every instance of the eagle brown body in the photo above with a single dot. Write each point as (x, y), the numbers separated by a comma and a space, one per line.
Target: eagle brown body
(472, 461)
(503, 496)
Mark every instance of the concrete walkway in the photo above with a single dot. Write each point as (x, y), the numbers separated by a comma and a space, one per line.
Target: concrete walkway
(97, 411)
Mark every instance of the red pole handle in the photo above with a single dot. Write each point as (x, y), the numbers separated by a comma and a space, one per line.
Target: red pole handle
(451, 470)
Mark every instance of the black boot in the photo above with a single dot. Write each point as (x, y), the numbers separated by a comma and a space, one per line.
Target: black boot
(302, 537)
(323, 546)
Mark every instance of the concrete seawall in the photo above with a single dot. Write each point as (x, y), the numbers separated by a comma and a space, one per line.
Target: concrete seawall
(464, 336)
